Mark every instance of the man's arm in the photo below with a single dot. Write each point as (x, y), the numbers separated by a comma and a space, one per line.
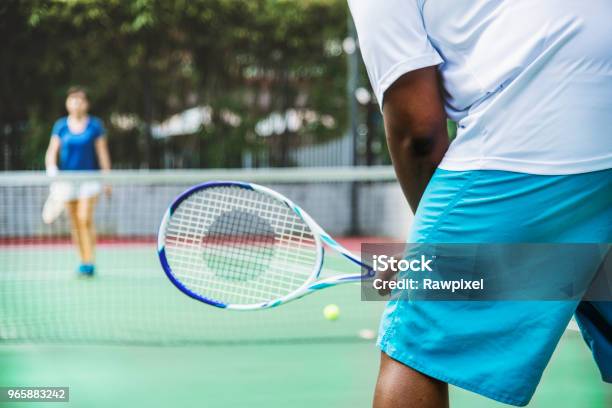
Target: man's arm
(415, 125)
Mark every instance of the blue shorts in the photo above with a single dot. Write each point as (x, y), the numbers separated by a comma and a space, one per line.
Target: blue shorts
(500, 349)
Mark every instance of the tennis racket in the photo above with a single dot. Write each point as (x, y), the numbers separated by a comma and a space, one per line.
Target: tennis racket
(54, 206)
(243, 246)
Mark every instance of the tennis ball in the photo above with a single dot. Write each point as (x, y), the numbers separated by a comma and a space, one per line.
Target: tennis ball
(331, 312)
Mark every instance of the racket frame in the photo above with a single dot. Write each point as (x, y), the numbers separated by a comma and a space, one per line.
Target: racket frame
(59, 191)
(310, 285)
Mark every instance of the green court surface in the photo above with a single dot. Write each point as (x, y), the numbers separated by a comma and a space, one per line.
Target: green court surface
(130, 300)
(128, 338)
(306, 375)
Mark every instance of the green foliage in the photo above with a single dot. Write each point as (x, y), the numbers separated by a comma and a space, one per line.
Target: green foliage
(451, 127)
(150, 59)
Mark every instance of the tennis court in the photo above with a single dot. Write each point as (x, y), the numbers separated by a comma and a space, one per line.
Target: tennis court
(328, 374)
(109, 110)
(128, 337)
(319, 363)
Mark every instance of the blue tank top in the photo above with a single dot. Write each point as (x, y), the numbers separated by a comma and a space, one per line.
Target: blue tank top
(77, 150)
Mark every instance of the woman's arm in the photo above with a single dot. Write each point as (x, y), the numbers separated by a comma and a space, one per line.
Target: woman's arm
(102, 153)
(103, 160)
(51, 155)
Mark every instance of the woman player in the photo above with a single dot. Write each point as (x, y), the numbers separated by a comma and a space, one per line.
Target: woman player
(79, 141)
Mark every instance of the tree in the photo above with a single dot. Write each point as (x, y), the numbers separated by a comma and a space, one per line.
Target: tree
(144, 60)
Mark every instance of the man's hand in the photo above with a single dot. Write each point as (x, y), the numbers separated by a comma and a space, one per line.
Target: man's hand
(386, 276)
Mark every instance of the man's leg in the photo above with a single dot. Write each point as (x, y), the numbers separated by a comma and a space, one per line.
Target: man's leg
(400, 386)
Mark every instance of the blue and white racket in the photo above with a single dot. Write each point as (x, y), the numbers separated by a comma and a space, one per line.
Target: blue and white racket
(243, 246)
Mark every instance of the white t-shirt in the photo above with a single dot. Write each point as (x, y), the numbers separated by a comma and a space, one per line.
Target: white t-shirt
(528, 82)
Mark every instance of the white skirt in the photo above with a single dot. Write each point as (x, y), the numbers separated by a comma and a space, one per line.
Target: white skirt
(77, 190)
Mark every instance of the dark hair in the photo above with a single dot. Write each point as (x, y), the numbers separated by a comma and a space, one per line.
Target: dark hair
(76, 89)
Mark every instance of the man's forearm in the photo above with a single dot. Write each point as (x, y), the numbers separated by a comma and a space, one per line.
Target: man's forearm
(415, 160)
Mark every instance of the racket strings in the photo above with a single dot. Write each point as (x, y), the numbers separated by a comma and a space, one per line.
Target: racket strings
(239, 246)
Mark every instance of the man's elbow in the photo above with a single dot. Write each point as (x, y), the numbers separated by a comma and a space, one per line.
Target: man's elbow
(415, 121)
(418, 140)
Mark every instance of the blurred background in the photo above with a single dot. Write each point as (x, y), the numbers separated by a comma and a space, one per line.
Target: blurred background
(268, 91)
(191, 83)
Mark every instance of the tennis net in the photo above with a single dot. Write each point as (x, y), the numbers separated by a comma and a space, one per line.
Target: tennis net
(130, 300)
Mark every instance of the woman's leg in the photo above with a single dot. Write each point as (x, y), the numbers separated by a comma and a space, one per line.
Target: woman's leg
(400, 386)
(73, 214)
(86, 228)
